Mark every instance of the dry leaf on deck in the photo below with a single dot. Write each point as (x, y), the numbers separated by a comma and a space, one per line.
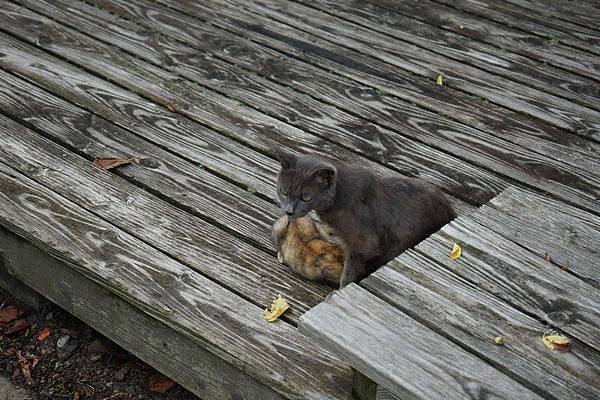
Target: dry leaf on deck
(8, 314)
(499, 340)
(440, 80)
(278, 307)
(43, 334)
(556, 341)
(110, 163)
(456, 251)
(160, 383)
(170, 107)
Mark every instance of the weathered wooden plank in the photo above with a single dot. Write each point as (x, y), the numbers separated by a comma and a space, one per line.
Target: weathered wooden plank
(367, 102)
(516, 40)
(458, 177)
(276, 354)
(427, 64)
(244, 269)
(383, 394)
(395, 148)
(461, 48)
(583, 13)
(539, 23)
(149, 120)
(182, 183)
(547, 228)
(399, 353)
(519, 278)
(472, 318)
(171, 352)
(185, 184)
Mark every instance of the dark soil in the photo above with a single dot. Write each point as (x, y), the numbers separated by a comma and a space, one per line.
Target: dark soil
(73, 362)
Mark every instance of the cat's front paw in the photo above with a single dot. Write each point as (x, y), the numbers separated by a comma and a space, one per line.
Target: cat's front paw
(280, 258)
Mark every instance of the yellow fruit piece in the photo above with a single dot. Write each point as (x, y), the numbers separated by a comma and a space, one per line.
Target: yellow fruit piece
(556, 341)
(440, 80)
(456, 252)
(499, 340)
(278, 307)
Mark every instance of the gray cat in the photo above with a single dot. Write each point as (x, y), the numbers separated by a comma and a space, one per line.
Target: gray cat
(373, 219)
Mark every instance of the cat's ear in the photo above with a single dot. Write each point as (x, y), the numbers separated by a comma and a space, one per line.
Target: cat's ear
(287, 160)
(325, 176)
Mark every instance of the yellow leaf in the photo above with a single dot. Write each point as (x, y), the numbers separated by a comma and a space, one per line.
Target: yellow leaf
(278, 307)
(499, 340)
(555, 341)
(440, 80)
(456, 251)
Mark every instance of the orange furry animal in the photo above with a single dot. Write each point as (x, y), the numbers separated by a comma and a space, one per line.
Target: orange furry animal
(302, 246)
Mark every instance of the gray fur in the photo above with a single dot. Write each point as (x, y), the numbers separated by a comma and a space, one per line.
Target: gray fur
(375, 219)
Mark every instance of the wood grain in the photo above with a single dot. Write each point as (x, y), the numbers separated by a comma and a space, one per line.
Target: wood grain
(180, 182)
(458, 177)
(170, 352)
(567, 235)
(519, 277)
(132, 112)
(456, 146)
(233, 263)
(276, 354)
(472, 318)
(383, 394)
(465, 50)
(368, 102)
(539, 23)
(582, 13)
(503, 36)
(400, 354)
(421, 61)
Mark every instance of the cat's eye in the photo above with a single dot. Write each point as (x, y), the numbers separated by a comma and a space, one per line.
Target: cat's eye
(306, 197)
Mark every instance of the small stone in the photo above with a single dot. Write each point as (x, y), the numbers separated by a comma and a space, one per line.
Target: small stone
(62, 341)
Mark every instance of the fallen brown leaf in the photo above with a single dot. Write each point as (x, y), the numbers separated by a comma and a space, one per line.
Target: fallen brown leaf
(160, 384)
(17, 326)
(43, 334)
(8, 314)
(170, 107)
(76, 396)
(110, 163)
(24, 364)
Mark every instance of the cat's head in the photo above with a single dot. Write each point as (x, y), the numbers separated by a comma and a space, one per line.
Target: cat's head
(305, 183)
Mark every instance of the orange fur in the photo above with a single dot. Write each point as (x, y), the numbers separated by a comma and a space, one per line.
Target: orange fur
(301, 246)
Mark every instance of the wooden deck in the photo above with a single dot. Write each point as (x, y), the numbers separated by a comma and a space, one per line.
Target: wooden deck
(178, 243)
(439, 317)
